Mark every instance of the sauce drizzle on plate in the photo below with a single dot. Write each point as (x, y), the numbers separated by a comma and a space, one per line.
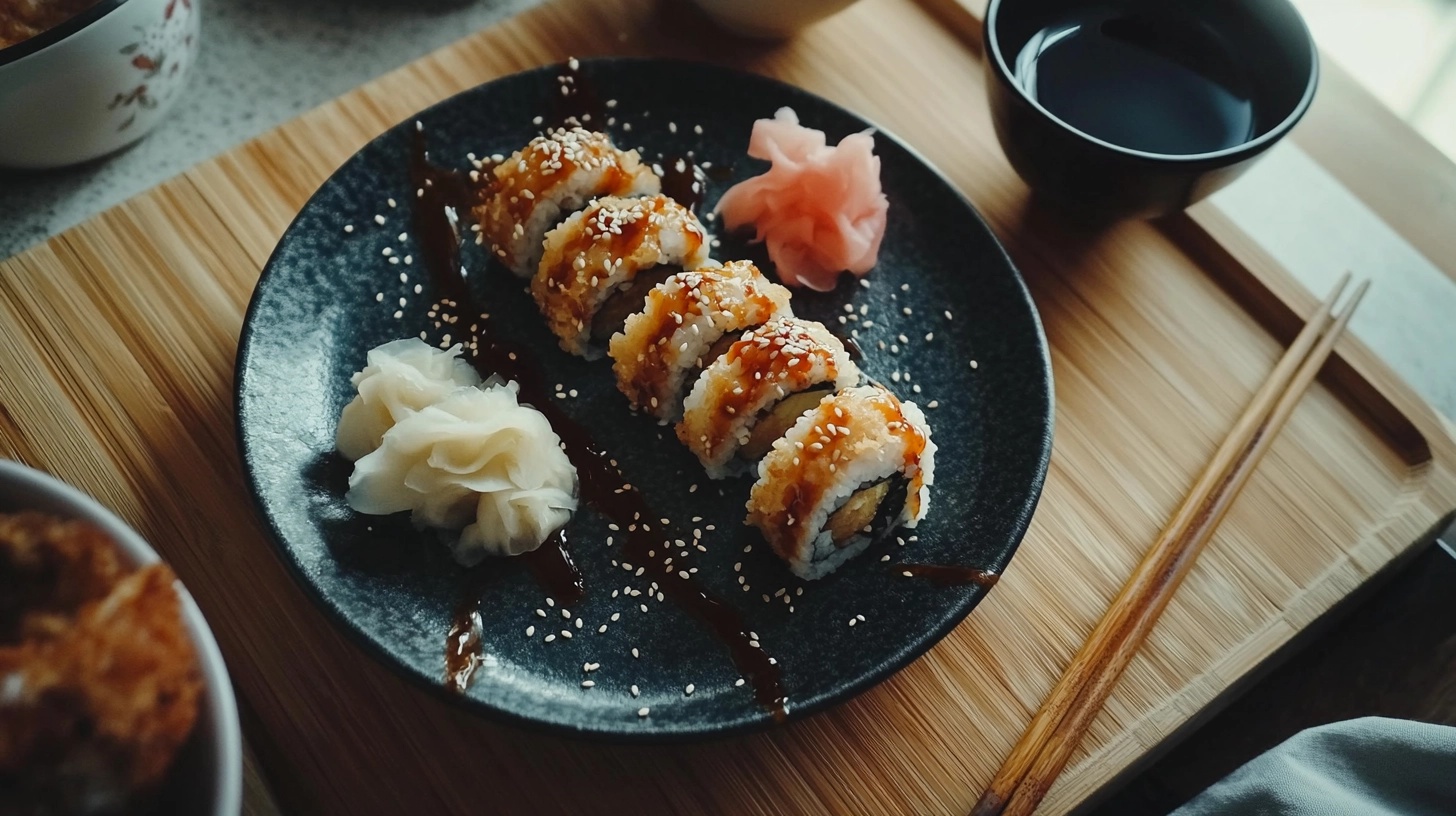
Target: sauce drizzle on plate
(440, 192)
(947, 576)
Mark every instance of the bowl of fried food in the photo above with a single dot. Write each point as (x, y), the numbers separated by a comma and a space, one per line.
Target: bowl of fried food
(113, 695)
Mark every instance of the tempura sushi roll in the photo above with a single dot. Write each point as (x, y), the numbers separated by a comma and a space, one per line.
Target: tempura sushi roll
(686, 322)
(600, 263)
(547, 179)
(749, 397)
(854, 468)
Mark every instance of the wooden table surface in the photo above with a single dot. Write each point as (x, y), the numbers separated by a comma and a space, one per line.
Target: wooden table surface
(117, 340)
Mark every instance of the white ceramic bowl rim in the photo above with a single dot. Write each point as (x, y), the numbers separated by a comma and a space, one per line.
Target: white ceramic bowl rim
(218, 693)
(55, 34)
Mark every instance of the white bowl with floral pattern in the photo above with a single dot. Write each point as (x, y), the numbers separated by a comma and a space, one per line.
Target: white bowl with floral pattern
(95, 83)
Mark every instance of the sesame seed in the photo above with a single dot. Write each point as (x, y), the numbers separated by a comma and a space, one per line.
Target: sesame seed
(908, 574)
(348, 228)
(530, 631)
(536, 121)
(550, 638)
(635, 691)
(588, 683)
(566, 634)
(688, 690)
(933, 404)
(566, 613)
(578, 623)
(643, 711)
(975, 364)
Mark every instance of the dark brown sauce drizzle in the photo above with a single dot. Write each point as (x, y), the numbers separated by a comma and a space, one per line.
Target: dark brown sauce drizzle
(601, 483)
(462, 644)
(580, 105)
(948, 576)
(554, 570)
(685, 185)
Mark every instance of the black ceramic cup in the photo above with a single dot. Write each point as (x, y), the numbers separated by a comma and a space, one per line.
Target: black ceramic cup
(1138, 108)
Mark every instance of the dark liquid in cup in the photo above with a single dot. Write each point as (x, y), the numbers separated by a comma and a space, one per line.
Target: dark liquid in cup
(1146, 82)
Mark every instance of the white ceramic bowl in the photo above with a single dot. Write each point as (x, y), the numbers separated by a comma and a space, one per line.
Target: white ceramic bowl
(207, 776)
(95, 83)
(769, 19)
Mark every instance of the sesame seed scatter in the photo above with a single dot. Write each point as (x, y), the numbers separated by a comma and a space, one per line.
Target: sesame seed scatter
(680, 552)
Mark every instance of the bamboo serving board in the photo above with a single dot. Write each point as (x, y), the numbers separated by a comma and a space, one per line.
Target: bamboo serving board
(117, 341)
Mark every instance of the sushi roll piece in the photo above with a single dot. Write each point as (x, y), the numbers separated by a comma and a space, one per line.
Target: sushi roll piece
(600, 263)
(857, 466)
(749, 397)
(686, 322)
(554, 175)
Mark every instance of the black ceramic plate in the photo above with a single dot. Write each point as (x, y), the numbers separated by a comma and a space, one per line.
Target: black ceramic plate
(327, 296)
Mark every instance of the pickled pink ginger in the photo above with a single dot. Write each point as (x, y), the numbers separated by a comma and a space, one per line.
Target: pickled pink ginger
(819, 209)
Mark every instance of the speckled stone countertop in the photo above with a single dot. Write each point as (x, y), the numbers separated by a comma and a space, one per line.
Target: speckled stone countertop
(262, 62)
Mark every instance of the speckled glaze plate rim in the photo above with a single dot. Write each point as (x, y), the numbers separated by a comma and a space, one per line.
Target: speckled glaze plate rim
(915, 647)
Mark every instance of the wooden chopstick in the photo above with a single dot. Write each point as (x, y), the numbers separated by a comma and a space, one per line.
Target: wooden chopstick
(1041, 754)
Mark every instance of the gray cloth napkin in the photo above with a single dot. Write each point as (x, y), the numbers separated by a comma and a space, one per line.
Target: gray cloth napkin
(1372, 766)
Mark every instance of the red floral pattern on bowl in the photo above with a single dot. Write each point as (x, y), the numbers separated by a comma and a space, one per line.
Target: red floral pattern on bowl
(100, 87)
(159, 54)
